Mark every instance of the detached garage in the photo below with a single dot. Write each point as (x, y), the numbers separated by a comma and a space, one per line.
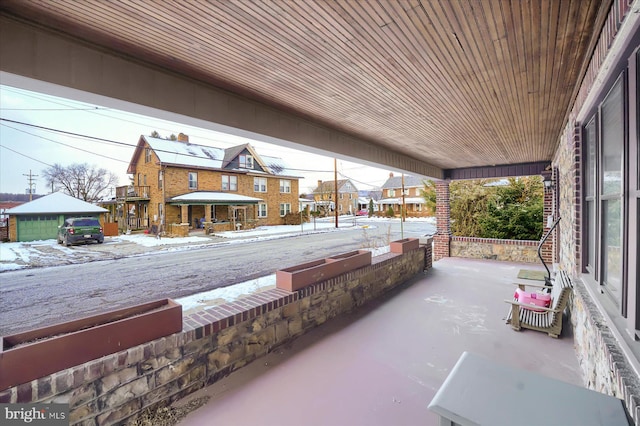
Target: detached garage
(39, 219)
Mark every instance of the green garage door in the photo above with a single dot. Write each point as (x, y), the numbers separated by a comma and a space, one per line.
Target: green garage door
(37, 227)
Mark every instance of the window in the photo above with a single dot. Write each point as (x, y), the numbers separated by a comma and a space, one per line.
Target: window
(144, 180)
(339, 207)
(612, 144)
(392, 193)
(262, 210)
(229, 183)
(160, 179)
(285, 186)
(285, 208)
(147, 155)
(193, 180)
(260, 184)
(139, 179)
(589, 139)
(245, 161)
(351, 196)
(341, 196)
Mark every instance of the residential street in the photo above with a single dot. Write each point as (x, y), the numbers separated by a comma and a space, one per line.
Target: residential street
(42, 296)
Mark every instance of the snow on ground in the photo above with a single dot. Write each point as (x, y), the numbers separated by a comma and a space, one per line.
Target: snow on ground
(19, 255)
(200, 301)
(147, 240)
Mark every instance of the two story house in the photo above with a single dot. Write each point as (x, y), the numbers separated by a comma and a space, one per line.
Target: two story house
(325, 196)
(413, 200)
(184, 183)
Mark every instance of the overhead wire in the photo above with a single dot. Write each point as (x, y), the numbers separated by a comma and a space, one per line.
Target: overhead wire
(24, 155)
(103, 140)
(94, 110)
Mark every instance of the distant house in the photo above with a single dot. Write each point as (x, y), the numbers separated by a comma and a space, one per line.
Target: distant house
(366, 196)
(347, 202)
(413, 200)
(39, 219)
(184, 183)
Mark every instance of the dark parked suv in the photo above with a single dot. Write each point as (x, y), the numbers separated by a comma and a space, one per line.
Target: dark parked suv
(80, 230)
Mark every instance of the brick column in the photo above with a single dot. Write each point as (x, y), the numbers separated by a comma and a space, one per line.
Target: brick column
(442, 239)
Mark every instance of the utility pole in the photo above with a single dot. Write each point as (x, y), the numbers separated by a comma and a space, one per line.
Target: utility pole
(402, 213)
(335, 182)
(402, 210)
(30, 178)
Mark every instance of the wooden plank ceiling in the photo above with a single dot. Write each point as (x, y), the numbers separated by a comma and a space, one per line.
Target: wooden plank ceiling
(451, 82)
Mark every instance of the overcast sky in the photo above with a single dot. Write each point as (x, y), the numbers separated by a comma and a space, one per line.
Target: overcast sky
(26, 149)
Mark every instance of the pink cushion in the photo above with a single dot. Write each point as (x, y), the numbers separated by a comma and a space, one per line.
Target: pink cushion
(533, 299)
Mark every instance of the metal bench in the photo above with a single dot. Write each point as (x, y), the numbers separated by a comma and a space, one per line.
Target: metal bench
(547, 320)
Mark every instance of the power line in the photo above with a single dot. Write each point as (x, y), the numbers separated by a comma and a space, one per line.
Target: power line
(102, 140)
(67, 145)
(24, 155)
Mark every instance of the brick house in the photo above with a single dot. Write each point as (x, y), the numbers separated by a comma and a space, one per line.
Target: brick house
(324, 196)
(177, 182)
(413, 200)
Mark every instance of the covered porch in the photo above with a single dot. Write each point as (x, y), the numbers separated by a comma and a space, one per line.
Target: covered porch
(213, 211)
(383, 363)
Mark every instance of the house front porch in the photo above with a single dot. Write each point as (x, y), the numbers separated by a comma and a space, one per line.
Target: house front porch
(383, 363)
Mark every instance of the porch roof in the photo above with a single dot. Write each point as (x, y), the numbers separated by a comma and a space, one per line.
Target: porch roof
(214, 198)
(398, 200)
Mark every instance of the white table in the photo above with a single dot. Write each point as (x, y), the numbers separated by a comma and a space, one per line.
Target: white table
(482, 392)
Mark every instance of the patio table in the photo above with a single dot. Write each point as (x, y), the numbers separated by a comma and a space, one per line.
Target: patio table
(483, 392)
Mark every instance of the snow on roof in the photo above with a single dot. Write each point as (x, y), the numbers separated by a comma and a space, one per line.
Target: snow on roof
(219, 197)
(58, 203)
(188, 154)
(278, 166)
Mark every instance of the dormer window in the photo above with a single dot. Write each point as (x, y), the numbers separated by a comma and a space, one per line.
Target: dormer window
(245, 161)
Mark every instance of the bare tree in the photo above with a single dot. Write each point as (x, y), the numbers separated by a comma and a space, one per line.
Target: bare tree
(82, 181)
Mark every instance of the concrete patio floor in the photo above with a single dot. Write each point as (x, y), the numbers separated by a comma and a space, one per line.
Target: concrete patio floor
(383, 364)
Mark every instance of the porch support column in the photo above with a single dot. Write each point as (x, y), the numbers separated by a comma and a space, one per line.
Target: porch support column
(184, 213)
(442, 239)
(207, 213)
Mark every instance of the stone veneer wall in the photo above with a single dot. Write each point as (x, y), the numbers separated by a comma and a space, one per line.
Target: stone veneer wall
(495, 249)
(603, 364)
(118, 387)
(605, 367)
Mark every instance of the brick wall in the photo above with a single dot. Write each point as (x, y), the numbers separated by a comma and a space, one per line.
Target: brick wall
(213, 343)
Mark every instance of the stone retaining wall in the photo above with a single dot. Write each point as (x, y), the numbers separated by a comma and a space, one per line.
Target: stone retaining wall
(495, 249)
(118, 387)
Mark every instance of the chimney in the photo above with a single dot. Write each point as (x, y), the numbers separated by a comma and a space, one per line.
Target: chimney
(183, 138)
(319, 183)
(390, 173)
